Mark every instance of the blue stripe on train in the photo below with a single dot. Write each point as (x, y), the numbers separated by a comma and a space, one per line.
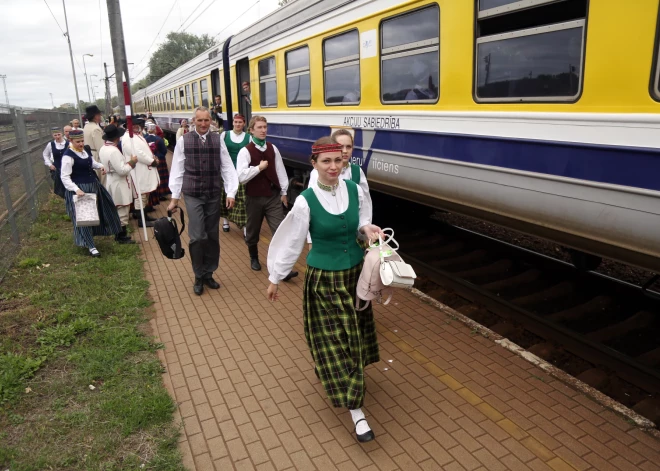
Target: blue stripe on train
(618, 165)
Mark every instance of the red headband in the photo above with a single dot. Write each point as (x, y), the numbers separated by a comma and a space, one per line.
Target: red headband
(334, 147)
(239, 116)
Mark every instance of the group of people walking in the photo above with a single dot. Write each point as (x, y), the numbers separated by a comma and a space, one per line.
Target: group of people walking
(240, 177)
(217, 174)
(108, 163)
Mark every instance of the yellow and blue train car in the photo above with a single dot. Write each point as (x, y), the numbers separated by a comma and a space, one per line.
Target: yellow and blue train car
(538, 115)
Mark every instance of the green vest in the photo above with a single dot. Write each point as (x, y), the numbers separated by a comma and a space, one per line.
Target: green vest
(334, 245)
(355, 173)
(233, 147)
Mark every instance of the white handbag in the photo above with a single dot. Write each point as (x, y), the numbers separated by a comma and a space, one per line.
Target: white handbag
(394, 273)
(87, 213)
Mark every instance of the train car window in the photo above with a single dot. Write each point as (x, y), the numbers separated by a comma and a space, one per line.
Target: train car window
(267, 83)
(172, 99)
(182, 103)
(341, 69)
(532, 54)
(195, 94)
(203, 85)
(188, 98)
(655, 74)
(495, 7)
(410, 62)
(298, 85)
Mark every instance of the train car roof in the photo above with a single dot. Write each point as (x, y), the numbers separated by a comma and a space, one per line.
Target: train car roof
(283, 19)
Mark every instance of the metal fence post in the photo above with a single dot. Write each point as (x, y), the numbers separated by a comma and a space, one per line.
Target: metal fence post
(11, 215)
(24, 152)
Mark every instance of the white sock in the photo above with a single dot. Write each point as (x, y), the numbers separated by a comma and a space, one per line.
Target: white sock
(93, 251)
(225, 222)
(363, 426)
(245, 232)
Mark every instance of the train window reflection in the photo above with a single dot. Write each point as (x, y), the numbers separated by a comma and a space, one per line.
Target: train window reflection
(536, 64)
(298, 86)
(188, 102)
(341, 69)
(410, 62)
(411, 28)
(267, 83)
(205, 92)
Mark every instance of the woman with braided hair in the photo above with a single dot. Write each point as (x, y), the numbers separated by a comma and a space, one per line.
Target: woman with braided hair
(342, 341)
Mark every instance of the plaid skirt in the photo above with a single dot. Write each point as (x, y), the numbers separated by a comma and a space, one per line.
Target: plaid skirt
(237, 214)
(108, 217)
(164, 175)
(342, 341)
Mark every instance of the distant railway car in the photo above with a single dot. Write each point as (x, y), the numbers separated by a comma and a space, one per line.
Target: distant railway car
(538, 115)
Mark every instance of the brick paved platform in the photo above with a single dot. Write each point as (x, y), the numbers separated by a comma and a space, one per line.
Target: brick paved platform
(441, 398)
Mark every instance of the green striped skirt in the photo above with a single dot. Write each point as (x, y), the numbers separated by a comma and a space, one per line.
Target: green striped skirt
(237, 214)
(342, 341)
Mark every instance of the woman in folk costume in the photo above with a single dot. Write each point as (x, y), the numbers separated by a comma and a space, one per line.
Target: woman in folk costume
(183, 129)
(118, 180)
(53, 159)
(349, 171)
(234, 141)
(342, 341)
(145, 173)
(157, 144)
(78, 177)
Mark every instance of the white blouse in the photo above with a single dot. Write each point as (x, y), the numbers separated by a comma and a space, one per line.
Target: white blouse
(48, 152)
(289, 240)
(346, 175)
(67, 168)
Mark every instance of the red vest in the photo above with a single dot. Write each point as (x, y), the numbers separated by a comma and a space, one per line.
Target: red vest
(265, 181)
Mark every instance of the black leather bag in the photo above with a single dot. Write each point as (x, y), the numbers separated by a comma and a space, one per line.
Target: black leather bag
(168, 235)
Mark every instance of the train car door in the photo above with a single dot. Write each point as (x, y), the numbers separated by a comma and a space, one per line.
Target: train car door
(244, 98)
(215, 83)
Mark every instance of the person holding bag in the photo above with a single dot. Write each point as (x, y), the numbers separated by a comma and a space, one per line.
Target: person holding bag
(342, 341)
(79, 178)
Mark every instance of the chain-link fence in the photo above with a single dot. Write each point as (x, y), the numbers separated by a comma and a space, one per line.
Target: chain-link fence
(24, 178)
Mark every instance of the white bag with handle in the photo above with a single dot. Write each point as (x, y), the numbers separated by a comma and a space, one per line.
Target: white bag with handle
(383, 269)
(87, 213)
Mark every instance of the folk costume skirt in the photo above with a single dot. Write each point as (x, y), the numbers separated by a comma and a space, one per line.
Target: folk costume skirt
(164, 174)
(108, 217)
(342, 341)
(237, 214)
(58, 186)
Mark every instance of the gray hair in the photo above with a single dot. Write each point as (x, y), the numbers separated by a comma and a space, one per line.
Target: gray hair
(202, 109)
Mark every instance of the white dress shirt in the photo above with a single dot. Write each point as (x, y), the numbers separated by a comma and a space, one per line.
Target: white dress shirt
(346, 175)
(237, 138)
(227, 169)
(247, 173)
(48, 152)
(289, 240)
(67, 168)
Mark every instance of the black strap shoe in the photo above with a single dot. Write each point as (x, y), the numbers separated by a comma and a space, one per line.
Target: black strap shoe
(366, 436)
(198, 287)
(125, 241)
(211, 283)
(254, 264)
(292, 274)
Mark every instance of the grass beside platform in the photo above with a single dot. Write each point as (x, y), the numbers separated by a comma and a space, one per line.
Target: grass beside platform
(80, 381)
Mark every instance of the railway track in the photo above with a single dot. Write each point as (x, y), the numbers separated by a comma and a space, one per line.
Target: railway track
(601, 330)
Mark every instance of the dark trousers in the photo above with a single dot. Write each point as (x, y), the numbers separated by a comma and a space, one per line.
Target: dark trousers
(258, 207)
(204, 234)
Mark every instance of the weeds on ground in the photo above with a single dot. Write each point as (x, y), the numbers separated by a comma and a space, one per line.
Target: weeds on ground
(80, 383)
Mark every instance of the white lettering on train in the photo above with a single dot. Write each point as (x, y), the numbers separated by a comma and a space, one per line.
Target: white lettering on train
(382, 165)
(375, 122)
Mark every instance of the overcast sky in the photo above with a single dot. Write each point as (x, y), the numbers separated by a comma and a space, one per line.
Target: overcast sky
(36, 55)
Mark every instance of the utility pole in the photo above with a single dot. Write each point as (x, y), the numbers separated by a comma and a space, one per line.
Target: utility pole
(108, 98)
(73, 69)
(118, 48)
(89, 97)
(4, 84)
(51, 99)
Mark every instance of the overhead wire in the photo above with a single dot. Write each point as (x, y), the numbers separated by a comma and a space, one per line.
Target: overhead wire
(157, 35)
